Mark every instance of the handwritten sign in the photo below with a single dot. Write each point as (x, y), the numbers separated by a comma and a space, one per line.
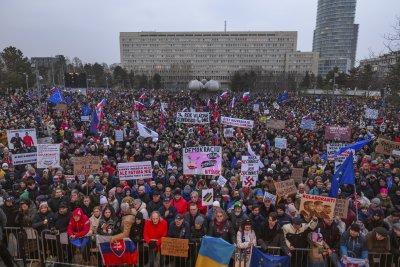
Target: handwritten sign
(86, 165)
(276, 124)
(193, 117)
(297, 175)
(175, 247)
(280, 143)
(387, 147)
(342, 208)
(285, 187)
(205, 160)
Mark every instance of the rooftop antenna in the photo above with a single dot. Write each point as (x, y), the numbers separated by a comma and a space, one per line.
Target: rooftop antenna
(225, 25)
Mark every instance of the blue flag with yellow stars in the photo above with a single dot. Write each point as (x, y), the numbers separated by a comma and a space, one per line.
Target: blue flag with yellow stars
(260, 259)
(344, 175)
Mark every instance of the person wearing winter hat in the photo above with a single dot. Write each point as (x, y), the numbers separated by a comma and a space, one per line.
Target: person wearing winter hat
(283, 217)
(353, 244)
(179, 202)
(376, 220)
(378, 242)
(237, 216)
(386, 202)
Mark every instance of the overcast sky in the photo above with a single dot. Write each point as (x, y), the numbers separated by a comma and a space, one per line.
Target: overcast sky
(89, 29)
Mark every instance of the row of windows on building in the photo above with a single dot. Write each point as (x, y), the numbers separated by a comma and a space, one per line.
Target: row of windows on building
(291, 45)
(195, 40)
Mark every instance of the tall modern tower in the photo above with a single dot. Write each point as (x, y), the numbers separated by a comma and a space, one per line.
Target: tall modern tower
(335, 35)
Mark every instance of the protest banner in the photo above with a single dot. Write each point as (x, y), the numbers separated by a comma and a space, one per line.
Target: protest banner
(229, 132)
(175, 247)
(45, 140)
(297, 175)
(237, 122)
(276, 124)
(24, 158)
(207, 197)
(135, 170)
(193, 117)
(280, 143)
(256, 107)
(371, 113)
(387, 147)
(266, 111)
(307, 124)
(48, 155)
(319, 206)
(221, 181)
(78, 136)
(269, 196)
(285, 187)
(17, 139)
(338, 133)
(249, 170)
(202, 160)
(342, 207)
(119, 135)
(332, 148)
(69, 178)
(86, 165)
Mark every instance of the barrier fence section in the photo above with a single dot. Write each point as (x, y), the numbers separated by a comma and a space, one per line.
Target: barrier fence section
(51, 248)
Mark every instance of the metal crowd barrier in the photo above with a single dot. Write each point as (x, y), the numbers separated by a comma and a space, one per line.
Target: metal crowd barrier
(52, 248)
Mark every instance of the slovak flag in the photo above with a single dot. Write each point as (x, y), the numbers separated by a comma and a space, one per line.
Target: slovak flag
(216, 103)
(307, 117)
(209, 105)
(224, 95)
(139, 105)
(233, 102)
(246, 96)
(143, 96)
(162, 116)
(100, 106)
(120, 252)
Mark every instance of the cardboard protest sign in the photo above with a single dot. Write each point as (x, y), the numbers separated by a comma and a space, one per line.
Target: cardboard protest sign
(371, 113)
(207, 197)
(307, 124)
(276, 124)
(387, 147)
(319, 206)
(205, 160)
(193, 117)
(285, 187)
(135, 170)
(229, 132)
(281, 143)
(48, 155)
(297, 175)
(119, 136)
(78, 136)
(269, 196)
(338, 133)
(237, 122)
(61, 107)
(86, 165)
(342, 207)
(175, 247)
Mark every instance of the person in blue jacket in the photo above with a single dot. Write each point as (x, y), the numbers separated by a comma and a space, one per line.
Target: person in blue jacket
(352, 244)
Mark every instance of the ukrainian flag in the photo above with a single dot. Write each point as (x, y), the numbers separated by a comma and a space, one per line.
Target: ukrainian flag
(214, 252)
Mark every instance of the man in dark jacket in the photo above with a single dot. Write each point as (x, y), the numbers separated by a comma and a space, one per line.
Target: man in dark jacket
(179, 229)
(257, 220)
(283, 217)
(271, 235)
(10, 210)
(167, 211)
(394, 236)
(4, 254)
(331, 235)
(237, 216)
(156, 203)
(192, 214)
(62, 217)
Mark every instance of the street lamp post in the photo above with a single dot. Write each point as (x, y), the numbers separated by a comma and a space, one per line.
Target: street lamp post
(107, 81)
(26, 80)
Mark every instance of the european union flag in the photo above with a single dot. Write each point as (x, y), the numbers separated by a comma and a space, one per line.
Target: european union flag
(344, 175)
(85, 110)
(56, 97)
(283, 97)
(260, 259)
(356, 146)
(94, 123)
(68, 100)
(233, 163)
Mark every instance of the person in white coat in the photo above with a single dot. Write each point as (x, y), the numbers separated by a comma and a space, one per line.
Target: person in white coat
(245, 240)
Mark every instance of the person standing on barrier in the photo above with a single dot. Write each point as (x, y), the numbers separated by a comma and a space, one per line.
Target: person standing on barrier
(4, 254)
(154, 230)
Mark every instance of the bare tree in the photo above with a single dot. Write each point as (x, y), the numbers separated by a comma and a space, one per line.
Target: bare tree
(392, 40)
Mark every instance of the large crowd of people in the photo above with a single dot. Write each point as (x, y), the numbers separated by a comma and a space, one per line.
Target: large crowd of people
(170, 203)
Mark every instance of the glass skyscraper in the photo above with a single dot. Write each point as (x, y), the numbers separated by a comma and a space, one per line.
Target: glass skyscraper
(335, 35)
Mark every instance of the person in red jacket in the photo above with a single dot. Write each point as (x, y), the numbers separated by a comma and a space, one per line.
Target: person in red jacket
(194, 198)
(155, 229)
(179, 202)
(79, 224)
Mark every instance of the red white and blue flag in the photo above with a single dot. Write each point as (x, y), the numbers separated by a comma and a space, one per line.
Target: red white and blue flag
(139, 105)
(353, 262)
(246, 96)
(233, 102)
(99, 108)
(120, 252)
(224, 95)
(143, 96)
(209, 105)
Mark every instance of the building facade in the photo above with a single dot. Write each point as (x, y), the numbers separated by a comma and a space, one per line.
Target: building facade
(335, 35)
(183, 56)
(381, 64)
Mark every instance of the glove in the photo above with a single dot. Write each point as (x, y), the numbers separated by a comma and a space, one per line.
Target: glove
(152, 244)
(264, 247)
